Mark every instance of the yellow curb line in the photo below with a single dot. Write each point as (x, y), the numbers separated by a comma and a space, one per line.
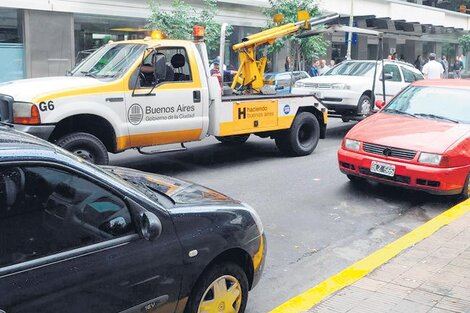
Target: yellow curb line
(350, 275)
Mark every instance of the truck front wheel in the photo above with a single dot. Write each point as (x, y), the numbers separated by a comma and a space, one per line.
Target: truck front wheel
(302, 138)
(85, 146)
(233, 140)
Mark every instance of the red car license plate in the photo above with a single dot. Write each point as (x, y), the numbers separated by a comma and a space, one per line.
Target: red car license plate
(382, 168)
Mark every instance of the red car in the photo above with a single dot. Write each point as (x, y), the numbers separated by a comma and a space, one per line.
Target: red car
(420, 140)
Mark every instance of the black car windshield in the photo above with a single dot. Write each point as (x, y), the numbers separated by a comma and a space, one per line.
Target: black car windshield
(352, 69)
(440, 103)
(110, 61)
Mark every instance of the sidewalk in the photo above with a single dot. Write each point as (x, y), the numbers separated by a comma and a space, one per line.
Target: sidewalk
(432, 276)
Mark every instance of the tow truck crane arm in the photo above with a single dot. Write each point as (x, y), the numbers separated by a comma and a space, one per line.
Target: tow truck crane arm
(250, 74)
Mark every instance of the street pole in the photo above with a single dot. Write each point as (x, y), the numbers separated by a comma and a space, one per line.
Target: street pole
(351, 18)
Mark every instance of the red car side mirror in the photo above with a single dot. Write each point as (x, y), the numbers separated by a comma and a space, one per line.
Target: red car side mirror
(380, 104)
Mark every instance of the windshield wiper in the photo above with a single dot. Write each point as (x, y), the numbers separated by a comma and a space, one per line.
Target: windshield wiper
(89, 74)
(399, 112)
(7, 124)
(144, 188)
(437, 117)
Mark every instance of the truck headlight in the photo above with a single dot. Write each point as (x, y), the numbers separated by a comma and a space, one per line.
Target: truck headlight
(26, 113)
(299, 84)
(352, 144)
(340, 86)
(430, 158)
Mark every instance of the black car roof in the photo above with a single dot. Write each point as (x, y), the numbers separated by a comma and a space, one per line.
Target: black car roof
(12, 139)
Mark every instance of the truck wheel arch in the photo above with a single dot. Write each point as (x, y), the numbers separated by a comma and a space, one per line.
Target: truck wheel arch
(319, 115)
(87, 123)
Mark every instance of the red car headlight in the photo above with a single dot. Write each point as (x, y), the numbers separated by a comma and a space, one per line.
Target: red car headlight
(430, 158)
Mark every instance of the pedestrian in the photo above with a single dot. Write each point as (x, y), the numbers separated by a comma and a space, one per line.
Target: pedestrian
(323, 67)
(332, 63)
(217, 59)
(314, 68)
(419, 63)
(287, 65)
(394, 56)
(433, 69)
(445, 65)
(458, 67)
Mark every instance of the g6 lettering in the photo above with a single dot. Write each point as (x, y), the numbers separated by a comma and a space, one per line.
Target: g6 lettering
(49, 106)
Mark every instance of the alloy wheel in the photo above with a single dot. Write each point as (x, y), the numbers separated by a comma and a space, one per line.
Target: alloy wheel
(224, 295)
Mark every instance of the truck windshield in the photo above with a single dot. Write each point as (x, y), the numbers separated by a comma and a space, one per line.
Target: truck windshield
(110, 61)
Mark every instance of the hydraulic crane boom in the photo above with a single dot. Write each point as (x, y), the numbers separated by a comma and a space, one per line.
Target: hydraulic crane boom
(251, 71)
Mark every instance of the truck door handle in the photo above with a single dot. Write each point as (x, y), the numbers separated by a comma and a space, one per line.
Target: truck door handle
(196, 98)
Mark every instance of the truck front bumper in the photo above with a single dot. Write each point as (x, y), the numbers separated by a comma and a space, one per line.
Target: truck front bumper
(41, 131)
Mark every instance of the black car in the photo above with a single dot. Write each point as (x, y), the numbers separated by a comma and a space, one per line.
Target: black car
(79, 238)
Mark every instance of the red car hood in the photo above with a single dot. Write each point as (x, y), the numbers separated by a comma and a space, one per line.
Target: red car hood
(411, 133)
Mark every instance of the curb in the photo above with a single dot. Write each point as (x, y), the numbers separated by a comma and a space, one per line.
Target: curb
(358, 270)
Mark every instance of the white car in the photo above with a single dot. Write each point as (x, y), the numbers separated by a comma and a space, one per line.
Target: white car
(346, 89)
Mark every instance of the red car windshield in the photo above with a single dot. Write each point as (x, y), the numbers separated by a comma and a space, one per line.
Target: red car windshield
(440, 103)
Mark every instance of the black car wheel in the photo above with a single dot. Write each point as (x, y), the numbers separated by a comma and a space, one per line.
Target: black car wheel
(85, 146)
(233, 140)
(302, 138)
(222, 288)
(364, 106)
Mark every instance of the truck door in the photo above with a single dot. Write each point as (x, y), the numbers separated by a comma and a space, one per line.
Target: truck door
(169, 110)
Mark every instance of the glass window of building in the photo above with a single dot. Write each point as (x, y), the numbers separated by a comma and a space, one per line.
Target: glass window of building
(93, 31)
(11, 45)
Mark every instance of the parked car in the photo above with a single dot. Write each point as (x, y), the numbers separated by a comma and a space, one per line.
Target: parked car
(283, 82)
(346, 89)
(79, 238)
(420, 140)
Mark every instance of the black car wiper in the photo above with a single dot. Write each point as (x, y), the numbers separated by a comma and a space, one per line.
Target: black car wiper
(437, 117)
(7, 124)
(399, 112)
(144, 188)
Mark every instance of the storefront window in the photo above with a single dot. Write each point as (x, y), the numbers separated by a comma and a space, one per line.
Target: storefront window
(93, 31)
(11, 45)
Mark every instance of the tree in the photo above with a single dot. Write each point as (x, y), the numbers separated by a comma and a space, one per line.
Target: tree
(302, 50)
(178, 22)
(464, 42)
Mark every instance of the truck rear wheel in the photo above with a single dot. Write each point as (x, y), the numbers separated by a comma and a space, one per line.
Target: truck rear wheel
(233, 140)
(85, 146)
(302, 138)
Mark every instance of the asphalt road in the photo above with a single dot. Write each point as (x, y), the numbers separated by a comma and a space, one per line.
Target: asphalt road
(317, 223)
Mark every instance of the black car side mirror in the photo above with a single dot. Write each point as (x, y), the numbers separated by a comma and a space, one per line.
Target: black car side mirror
(160, 67)
(150, 226)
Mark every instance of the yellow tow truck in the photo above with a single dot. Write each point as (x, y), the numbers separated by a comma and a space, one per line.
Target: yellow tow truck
(149, 92)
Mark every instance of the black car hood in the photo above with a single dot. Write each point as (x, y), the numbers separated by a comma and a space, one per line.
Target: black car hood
(180, 191)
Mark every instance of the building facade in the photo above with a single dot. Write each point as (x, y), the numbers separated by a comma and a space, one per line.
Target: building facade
(48, 37)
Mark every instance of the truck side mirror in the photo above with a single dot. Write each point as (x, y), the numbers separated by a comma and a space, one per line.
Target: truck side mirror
(160, 67)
